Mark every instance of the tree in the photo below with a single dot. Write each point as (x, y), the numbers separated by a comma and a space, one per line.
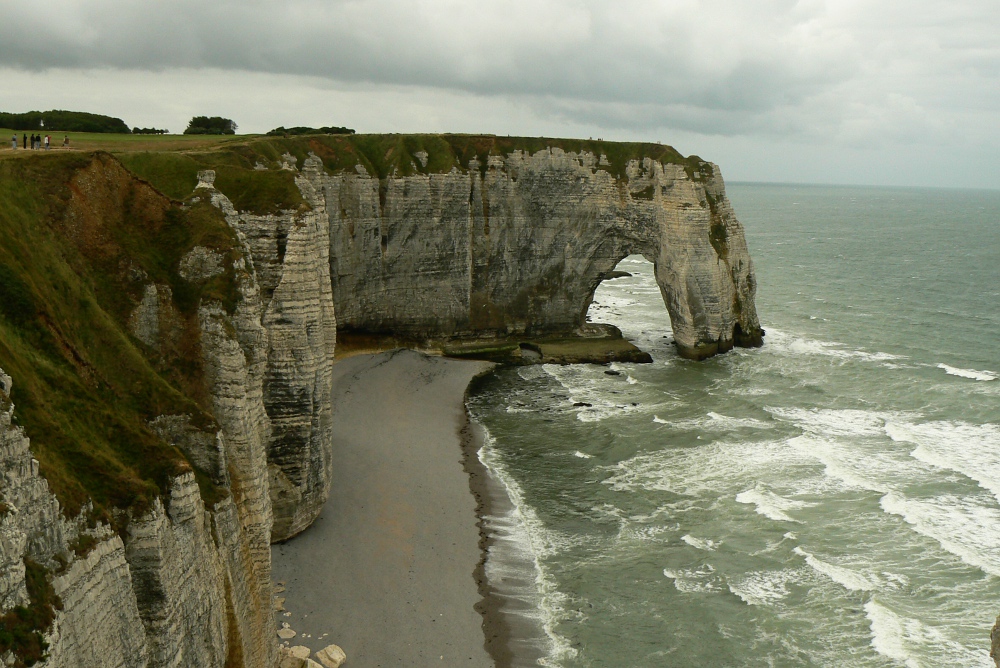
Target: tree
(60, 120)
(211, 125)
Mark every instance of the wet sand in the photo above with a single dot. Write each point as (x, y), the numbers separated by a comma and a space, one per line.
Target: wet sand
(388, 571)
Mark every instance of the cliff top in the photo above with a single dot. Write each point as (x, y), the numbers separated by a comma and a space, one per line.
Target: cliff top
(249, 167)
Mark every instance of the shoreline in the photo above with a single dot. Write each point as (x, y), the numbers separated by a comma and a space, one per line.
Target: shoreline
(394, 569)
(512, 638)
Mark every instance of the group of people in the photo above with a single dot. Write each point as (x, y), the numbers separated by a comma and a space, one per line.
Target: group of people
(37, 141)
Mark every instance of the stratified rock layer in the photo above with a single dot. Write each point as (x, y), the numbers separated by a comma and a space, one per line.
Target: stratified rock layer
(519, 245)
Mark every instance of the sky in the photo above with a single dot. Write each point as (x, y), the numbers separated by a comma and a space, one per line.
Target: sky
(879, 92)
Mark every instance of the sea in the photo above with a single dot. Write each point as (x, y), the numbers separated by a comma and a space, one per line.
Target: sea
(829, 499)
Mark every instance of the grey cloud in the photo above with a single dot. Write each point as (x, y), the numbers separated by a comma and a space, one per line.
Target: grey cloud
(597, 52)
(806, 68)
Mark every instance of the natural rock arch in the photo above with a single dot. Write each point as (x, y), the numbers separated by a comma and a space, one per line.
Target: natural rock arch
(518, 246)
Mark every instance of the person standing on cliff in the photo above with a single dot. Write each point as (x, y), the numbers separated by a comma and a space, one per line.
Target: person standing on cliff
(13, 142)
(48, 141)
(26, 141)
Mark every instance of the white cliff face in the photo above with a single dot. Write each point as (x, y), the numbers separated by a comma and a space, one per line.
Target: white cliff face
(184, 584)
(519, 246)
(290, 256)
(99, 625)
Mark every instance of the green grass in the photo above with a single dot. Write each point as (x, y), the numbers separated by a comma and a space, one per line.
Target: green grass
(79, 239)
(103, 141)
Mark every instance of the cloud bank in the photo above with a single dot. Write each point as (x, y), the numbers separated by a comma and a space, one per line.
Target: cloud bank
(849, 75)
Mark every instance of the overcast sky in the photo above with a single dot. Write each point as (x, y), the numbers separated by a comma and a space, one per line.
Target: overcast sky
(903, 92)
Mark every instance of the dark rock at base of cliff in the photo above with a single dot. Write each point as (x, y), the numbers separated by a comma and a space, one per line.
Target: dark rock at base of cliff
(611, 275)
(599, 344)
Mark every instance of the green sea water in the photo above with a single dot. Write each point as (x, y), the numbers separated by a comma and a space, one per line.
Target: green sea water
(830, 499)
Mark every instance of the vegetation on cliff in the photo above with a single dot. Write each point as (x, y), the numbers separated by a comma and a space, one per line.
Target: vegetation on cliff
(22, 628)
(80, 238)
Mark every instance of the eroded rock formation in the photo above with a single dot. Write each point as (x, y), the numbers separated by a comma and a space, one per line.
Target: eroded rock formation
(518, 246)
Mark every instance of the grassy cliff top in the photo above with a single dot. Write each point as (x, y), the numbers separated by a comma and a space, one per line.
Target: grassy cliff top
(171, 162)
(80, 239)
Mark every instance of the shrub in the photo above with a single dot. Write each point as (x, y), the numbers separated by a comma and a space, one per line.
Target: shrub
(211, 125)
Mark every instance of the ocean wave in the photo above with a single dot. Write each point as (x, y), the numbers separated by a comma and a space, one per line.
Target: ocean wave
(763, 588)
(850, 468)
(828, 422)
(720, 468)
(701, 543)
(912, 642)
(970, 449)
(771, 505)
(588, 394)
(522, 530)
(845, 577)
(790, 344)
(962, 526)
(971, 374)
(696, 581)
(888, 634)
(717, 422)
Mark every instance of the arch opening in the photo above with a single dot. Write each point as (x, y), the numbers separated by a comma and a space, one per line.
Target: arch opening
(628, 300)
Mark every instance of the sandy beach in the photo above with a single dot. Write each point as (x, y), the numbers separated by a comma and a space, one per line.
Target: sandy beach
(388, 570)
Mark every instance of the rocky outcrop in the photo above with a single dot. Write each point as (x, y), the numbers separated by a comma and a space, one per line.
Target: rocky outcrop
(290, 255)
(518, 246)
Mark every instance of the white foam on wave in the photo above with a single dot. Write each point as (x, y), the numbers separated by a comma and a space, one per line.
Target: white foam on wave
(582, 455)
(717, 422)
(789, 344)
(964, 526)
(659, 420)
(695, 581)
(521, 529)
(750, 391)
(845, 577)
(720, 468)
(763, 588)
(589, 391)
(701, 543)
(970, 449)
(829, 422)
(770, 505)
(914, 643)
(850, 468)
(888, 634)
(971, 374)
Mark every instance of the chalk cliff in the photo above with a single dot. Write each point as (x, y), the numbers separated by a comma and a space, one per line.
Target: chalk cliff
(519, 244)
(247, 301)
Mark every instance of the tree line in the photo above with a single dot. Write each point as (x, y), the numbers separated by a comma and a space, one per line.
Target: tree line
(59, 120)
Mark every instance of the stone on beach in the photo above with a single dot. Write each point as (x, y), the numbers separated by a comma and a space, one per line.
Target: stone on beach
(331, 656)
(295, 657)
(286, 632)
